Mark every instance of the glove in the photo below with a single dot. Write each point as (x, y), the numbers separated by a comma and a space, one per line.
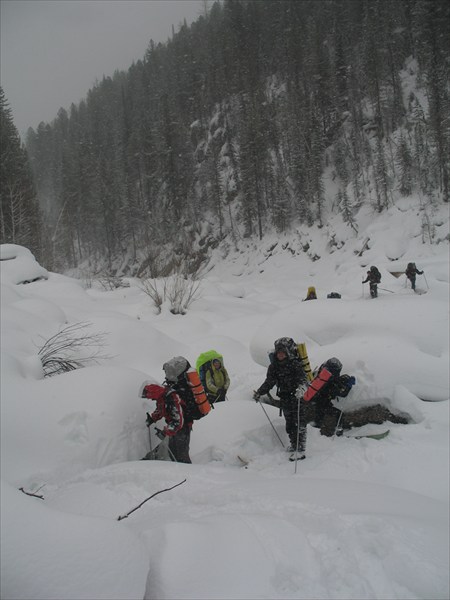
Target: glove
(352, 381)
(160, 433)
(149, 420)
(256, 396)
(301, 391)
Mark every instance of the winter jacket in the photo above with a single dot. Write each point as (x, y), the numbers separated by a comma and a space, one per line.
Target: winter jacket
(372, 277)
(216, 380)
(411, 272)
(169, 406)
(287, 375)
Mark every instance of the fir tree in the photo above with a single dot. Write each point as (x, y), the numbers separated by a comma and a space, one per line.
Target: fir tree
(19, 211)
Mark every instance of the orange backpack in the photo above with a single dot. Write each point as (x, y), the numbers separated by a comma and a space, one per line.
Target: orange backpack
(202, 405)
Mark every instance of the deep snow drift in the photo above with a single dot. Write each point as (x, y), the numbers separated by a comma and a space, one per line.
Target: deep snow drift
(360, 519)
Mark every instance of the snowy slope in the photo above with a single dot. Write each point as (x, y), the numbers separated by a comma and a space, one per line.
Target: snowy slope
(359, 519)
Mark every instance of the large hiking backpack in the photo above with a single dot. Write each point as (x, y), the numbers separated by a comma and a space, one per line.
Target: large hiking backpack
(204, 363)
(329, 381)
(411, 268)
(179, 373)
(375, 274)
(293, 350)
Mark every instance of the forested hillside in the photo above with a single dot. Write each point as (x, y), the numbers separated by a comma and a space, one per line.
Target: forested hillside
(19, 209)
(236, 125)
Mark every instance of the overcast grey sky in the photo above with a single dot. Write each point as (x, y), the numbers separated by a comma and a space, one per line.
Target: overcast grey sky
(52, 51)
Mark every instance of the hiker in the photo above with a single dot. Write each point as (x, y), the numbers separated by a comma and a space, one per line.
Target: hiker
(217, 381)
(286, 372)
(311, 294)
(183, 401)
(327, 385)
(411, 272)
(374, 278)
(169, 406)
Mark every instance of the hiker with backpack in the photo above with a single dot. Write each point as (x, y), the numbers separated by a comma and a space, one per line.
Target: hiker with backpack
(311, 294)
(217, 381)
(213, 375)
(180, 401)
(411, 272)
(374, 278)
(328, 385)
(169, 407)
(287, 373)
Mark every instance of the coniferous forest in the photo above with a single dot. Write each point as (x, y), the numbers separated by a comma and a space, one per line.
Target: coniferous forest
(229, 128)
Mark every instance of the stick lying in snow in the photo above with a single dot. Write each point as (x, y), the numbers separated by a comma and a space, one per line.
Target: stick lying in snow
(30, 494)
(120, 517)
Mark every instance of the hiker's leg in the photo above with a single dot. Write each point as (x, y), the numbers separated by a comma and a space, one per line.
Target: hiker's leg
(179, 445)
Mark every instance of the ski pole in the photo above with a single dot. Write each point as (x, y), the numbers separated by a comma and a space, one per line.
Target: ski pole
(428, 287)
(165, 440)
(337, 424)
(298, 435)
(268, 418)
(172, 457)
(150, 439)
(385, 290)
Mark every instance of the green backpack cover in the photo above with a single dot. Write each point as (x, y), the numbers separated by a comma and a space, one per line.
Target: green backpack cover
(203, 363)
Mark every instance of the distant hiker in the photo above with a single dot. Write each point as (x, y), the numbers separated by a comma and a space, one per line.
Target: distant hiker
(217, 381)
(169, 406)
(327, 385)
(286, 372)
(311, 294)
(374, 278)
(411, 272)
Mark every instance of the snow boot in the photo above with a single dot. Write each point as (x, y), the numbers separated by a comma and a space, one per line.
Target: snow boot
(300, 456)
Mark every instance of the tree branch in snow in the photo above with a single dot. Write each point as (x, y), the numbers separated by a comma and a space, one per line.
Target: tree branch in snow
(30, 494)
(119, 518)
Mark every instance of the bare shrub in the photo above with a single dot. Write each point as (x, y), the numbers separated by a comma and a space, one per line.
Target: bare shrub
(66, 350)
(112, 282)
(150, 287)
(180, 291)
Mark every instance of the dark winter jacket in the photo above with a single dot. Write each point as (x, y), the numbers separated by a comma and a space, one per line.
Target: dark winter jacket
(287, 375)
(373, 277)
(412, 271)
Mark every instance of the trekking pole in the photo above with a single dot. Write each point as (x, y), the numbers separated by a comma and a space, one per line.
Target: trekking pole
(150, 439)
(337, 424)
(298, 435)
(172, 457)
(428, 287)
(268, 418)
(363, 290)
(385, 290)
(166, 442)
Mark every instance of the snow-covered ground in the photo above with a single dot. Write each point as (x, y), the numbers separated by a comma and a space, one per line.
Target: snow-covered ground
(360, 519)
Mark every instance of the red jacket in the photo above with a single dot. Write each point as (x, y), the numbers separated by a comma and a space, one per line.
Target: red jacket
(169, 406)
